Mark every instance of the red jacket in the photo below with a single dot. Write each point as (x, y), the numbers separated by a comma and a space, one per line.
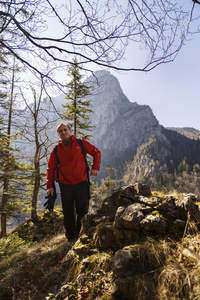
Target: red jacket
(72, 167)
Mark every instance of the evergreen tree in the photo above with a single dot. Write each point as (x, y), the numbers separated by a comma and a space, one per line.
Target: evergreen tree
(12, 182)
(3, 81)
(77, 109)
(11, 170)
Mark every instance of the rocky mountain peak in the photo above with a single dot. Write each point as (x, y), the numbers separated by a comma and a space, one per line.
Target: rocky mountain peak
(120, 126)
(107, 98)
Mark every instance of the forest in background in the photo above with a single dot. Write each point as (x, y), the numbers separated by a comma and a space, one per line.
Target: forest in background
(32, 53)
(179, 170)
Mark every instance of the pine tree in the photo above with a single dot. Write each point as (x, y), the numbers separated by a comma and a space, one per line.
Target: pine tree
(11, 170)
(3, 81)
(77, 109)
(12, 182)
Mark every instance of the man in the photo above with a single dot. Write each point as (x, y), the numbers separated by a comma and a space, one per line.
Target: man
(72, 177)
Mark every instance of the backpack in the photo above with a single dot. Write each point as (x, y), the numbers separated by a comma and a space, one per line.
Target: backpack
(84, 153)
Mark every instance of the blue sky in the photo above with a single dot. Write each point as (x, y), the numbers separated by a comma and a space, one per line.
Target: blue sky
(172, 90)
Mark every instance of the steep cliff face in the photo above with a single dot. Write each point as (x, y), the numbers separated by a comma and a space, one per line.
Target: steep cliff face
(120, 126)
(127, 131)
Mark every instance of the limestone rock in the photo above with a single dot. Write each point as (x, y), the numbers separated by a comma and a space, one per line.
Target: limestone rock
(152, 201)
(122, 263)
(104, 237)
(127, 215)
(142, 189)
(82, 246)
(118, 215)
(154, 223)
(131, 217)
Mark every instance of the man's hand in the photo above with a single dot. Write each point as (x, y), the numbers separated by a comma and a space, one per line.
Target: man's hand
(51, 198)
(93, 172)
(50, 191)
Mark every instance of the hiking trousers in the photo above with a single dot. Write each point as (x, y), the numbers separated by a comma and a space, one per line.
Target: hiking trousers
(77, 196)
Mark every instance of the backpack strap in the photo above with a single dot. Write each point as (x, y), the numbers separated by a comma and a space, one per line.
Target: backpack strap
(58, 162)
(84, 153)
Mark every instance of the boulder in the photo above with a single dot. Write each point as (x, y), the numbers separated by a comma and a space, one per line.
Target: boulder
(152, 201)
(104, 238)
(133, 212)
(142, 189)
(154, 223)
(131, 216)
(192, 208)
(122, 263)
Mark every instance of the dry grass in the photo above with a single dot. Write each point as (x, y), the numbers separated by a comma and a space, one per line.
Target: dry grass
(35, 267)
(162, 195)
(33, 271)
(180, 275)
(36, 261)
(169, 270)
(31, 257)
(158, 194)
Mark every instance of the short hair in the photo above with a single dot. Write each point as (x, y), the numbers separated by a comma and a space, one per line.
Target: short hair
(63, 124)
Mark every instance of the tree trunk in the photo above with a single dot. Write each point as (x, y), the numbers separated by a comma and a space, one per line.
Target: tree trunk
(36, 161)
(4, 212)
(6, 178)
(35, 191)
(37, 174)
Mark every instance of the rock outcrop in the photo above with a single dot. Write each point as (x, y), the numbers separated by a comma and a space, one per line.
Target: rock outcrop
(126, 220)
(133, 212)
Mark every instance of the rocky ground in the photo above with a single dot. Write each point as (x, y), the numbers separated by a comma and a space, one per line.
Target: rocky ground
(139, 245)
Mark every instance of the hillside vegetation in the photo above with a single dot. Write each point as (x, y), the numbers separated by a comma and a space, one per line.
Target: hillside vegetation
(189, 132)
(170, 164)
(108, 261)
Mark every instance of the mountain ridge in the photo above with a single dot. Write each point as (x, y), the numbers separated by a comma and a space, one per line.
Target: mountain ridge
(122, 128)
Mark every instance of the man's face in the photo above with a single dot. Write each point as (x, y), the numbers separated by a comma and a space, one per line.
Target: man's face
(64, 132)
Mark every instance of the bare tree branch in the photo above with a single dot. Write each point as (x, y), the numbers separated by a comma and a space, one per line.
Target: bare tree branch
(195, 1)
(97, 33)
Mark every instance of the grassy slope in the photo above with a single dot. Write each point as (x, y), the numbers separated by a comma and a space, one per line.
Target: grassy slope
(36, 261)
(31, 257)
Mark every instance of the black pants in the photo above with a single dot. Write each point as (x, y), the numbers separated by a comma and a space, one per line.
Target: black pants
(77, 194)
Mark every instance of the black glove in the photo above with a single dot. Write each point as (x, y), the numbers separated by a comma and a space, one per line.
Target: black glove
(49, 204)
